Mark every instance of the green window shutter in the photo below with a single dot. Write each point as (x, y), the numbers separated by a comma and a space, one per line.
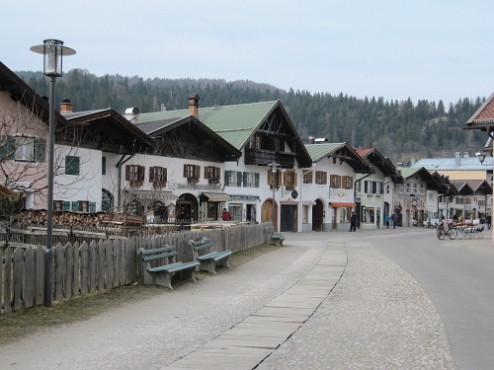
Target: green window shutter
(227, 178)
(66, 206)
(103, 165)
(40, 150)
(244, 175)
(72, 165)
(7, 147)
(239, 179)
(105, 205)
(257, 180)
(75, 206)
(92, 207)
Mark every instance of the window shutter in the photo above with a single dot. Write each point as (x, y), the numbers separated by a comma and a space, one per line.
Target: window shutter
(244, 179)
(66, 206)
(127, 173)
(270, 177)
(92, 207)
(239, 179)
(339, 181)
(325, 176)
(227, 178)
(350, 179)
(40, 150)
(295, 179)
(374, 186)
(285, 178)
(151, 174)
(257, 180)
(365, 186)
(185, 170)
(75, 206)
(140, 173)
(197, 172)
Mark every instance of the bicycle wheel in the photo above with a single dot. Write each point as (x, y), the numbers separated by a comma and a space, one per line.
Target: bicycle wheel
(452, 233)
(440, 234)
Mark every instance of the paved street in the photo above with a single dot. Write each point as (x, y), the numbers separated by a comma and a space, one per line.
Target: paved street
(324, 301)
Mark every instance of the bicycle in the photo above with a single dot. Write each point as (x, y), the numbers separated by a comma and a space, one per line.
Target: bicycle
(451, 232)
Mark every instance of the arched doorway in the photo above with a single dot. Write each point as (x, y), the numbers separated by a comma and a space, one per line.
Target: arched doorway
(267, 212)
(186, 211)
(318, 216)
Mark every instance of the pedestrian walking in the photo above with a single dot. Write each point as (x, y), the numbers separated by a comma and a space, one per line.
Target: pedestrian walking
(488, 219)
(387, 219)
(353, 222)
(394, 218)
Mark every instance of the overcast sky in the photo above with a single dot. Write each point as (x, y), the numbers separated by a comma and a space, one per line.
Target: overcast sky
(434, 49)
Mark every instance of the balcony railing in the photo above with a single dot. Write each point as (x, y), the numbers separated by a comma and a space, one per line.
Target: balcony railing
(265, 157)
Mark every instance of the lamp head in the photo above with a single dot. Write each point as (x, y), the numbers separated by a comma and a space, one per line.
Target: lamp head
(481, 157)
(53, 51)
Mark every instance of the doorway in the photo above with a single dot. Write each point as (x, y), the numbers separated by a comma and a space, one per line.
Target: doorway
(317, 216)
(288, 220)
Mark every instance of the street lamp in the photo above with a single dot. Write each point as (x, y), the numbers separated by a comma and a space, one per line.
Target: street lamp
(274, 170)
(53, 51)
(480, 157)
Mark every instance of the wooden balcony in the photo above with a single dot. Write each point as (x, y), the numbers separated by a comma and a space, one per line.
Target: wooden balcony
(266, 157)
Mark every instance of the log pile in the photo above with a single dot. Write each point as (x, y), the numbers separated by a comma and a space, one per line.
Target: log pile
(79, 220)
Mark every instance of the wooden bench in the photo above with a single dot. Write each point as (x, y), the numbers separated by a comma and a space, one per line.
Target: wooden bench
(274, 237)
(162, 274)
(207, 259)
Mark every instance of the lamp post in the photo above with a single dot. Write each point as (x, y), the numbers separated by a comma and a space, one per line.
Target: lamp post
(274, 170)
(53, 51)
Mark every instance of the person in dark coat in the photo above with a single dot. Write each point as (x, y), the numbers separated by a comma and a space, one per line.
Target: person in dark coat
(353, 222)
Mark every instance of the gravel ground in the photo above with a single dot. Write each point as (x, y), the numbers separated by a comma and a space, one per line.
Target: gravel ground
(377, 317)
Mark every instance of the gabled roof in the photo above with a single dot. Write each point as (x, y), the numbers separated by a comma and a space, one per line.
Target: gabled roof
(463, 187)
(21, 92)
(483, 115)
(110, 131)
(343, 151)
(202, 133)
(237, 123)
(480, 186)
(432, 182)
(382, 163)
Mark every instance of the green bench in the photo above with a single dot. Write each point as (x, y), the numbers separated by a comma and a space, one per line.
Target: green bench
(201, 249)
(274, 237)
(163, 273)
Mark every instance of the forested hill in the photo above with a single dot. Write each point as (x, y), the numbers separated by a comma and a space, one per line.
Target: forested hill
(401, 130)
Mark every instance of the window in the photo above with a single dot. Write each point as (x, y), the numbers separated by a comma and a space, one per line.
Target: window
(23, 148)
(290, 179)
(400, 188)
(103, 165)
(72, 165)
(347, 182)
(321, 178)
(233, 178)
(250, 179)
(408, 188)
(83, 206)
(235, 211)
(134, 174)
(192, 172)
(58, 205)
(158, 176)
(422, 190)
(212, 174)
(277, 180)
(305, 214)
(212, 210)
(335, 181)
(308, 177)
(431, 195)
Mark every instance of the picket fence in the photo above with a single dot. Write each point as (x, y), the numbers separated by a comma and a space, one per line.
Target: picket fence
(79, 269)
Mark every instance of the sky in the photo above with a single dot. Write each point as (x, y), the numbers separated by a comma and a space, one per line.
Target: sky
(396, 49)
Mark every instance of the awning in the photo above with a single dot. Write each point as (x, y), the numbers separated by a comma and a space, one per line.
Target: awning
(217, 197)
(341, 204)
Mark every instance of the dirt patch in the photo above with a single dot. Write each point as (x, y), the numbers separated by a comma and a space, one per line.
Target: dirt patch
(14, 326)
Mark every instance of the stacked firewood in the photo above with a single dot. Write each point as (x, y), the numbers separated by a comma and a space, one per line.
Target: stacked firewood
(81, 220)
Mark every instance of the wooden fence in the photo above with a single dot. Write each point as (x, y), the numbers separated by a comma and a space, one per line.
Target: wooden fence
(84, 268)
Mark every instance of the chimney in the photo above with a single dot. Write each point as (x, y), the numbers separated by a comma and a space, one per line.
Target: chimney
(66, 107)
(194, 105)
(457, 159)
(311, 139)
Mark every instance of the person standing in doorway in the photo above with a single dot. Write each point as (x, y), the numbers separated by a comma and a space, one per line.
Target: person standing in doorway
(394, 218)
(226, 216)
(353, 222)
